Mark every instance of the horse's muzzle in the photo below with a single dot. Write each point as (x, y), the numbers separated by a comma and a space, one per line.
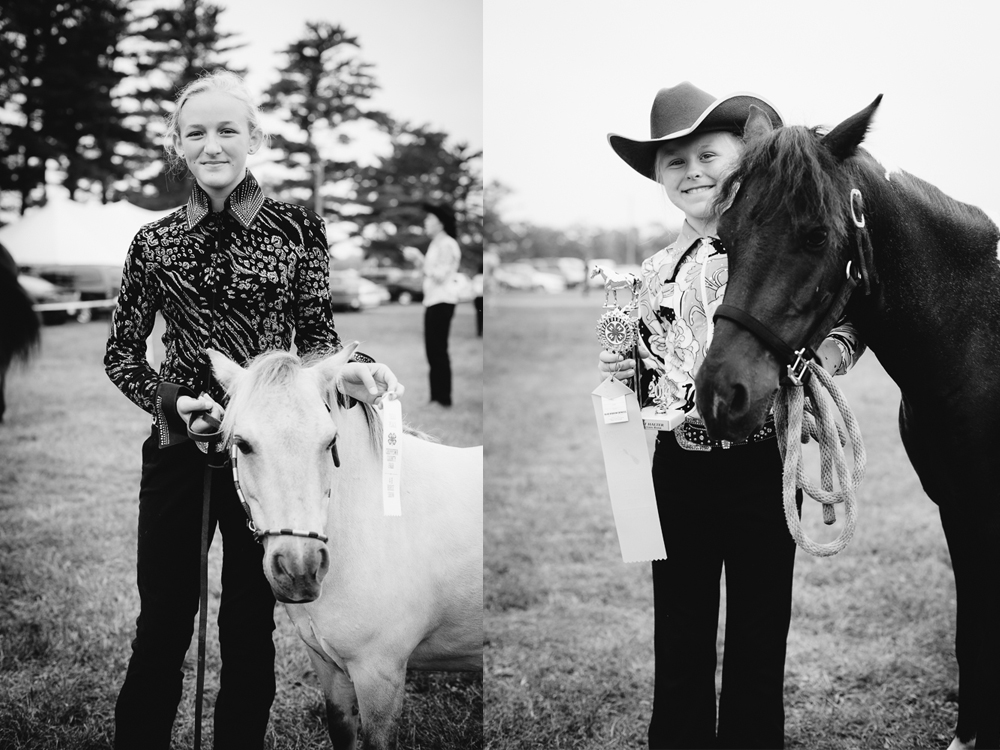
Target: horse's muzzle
(735, 385)
(295, 568)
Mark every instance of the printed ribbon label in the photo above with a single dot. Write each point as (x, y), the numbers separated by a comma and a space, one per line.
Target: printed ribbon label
(392, 455)
(630, 479)
(615, 410)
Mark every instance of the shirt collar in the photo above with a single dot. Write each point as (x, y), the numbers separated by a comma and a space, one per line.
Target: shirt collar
(243, 204)
(688, 236)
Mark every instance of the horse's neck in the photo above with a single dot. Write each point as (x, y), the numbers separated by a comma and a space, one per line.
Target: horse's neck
(938, 271)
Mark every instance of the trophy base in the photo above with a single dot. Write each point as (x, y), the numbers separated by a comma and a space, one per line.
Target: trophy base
(667, 420)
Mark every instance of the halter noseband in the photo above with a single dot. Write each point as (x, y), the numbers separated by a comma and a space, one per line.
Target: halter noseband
(258, 534)
(796, 358)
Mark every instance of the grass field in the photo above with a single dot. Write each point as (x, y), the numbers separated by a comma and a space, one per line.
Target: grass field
(569, 660)
(69, 477)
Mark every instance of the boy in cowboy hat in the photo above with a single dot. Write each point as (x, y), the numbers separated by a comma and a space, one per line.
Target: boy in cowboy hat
(719, 503)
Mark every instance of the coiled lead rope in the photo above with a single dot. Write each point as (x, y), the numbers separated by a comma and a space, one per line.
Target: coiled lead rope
(794, 431)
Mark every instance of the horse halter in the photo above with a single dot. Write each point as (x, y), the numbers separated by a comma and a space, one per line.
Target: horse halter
(858, 272)
(259, 535)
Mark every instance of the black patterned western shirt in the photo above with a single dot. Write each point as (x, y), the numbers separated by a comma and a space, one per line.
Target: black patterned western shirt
(243, 281)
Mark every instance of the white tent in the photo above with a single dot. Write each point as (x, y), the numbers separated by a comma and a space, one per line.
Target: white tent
(64, 232)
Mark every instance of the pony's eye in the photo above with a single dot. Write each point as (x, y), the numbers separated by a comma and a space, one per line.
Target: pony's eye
(816, 237)
(243, 446)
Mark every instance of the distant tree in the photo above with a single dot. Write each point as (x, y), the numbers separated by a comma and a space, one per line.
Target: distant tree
(323, 86)
(57, 59)
(423, 167)
(168, 49)
(497, 233)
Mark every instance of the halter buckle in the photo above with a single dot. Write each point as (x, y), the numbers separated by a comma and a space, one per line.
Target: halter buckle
(858, 222)
(799, 369)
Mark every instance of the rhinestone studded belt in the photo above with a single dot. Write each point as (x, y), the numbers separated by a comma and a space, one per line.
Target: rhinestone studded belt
(691, 435)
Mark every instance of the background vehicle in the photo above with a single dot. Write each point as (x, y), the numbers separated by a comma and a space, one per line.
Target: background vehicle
(95, 283)
(525, 277)
(45, 293)
(350, 291)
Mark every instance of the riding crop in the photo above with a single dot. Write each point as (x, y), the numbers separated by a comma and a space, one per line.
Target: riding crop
(794, 430)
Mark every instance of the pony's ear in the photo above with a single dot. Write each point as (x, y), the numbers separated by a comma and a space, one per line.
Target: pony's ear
(329, 366)
(758, 124)
(843, 140)
(227, 372)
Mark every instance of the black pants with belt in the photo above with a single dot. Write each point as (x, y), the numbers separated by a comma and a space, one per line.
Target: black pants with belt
(437, 324)
(168, 574)
(720, 507)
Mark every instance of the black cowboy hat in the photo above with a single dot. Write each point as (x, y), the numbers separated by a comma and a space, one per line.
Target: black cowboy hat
(683, 110)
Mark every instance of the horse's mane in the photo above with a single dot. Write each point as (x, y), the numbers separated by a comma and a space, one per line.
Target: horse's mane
(279, 368)
(801, 178)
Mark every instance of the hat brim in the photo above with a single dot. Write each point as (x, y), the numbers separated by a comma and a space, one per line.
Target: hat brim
(728, 114)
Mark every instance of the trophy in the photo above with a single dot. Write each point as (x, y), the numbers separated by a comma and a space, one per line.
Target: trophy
(618, 332)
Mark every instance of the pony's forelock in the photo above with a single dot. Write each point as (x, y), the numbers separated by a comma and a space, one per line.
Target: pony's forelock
(279, 368)
(790, 174)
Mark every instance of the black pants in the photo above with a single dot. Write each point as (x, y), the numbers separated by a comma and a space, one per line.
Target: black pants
(721, 506)
(437, 324)
(479, 316)
(170, 501)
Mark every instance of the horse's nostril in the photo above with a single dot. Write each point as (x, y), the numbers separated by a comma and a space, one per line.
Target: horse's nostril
(324, 563)
(740, 400)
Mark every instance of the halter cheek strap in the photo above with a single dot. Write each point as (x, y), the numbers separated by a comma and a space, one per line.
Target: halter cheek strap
(257, 533)
(859, 272)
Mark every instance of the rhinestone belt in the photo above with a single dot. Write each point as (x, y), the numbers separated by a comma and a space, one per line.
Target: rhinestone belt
(691, 435)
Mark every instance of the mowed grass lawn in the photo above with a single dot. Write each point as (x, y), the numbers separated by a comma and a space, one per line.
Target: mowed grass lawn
(569, 626)
(69, 478)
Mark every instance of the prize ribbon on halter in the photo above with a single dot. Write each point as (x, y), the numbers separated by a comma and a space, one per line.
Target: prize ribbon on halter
(792, 433)
(392, 454)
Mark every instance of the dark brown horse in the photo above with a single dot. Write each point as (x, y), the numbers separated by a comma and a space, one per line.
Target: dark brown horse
(814, 227)
(19, 325)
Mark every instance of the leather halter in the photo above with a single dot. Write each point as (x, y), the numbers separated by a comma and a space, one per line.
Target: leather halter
(796, 358)
(258, 534)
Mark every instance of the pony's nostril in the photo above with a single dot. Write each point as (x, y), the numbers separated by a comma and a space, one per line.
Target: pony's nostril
(324, 562)
(739, 403)
(277, 567)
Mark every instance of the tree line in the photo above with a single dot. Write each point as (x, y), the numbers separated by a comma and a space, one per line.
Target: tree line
(86, 87)
(514, 240)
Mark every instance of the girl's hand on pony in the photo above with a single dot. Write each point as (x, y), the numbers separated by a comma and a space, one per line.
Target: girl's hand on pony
(368, 382)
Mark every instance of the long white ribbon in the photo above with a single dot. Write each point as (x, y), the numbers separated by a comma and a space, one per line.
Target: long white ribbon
(392, 455)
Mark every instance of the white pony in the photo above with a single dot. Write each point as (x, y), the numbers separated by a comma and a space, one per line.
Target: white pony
(384, 593)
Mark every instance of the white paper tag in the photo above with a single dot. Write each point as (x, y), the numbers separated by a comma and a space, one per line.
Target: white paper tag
(392, 455)
(614, 410)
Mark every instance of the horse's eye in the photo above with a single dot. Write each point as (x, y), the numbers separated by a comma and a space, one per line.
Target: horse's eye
(816, 237)
(243, 446)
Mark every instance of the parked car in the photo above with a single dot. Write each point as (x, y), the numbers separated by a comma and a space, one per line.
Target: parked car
(351, 291)
(44, 292)
(573, 270)
(525, 277)
(405, 285)
(95, 283)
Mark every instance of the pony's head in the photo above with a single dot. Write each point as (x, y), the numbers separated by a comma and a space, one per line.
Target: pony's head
(283, 426)
(789, 234)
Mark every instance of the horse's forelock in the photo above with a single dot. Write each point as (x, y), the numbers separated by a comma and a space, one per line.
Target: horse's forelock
(277, 368)
(791, 174)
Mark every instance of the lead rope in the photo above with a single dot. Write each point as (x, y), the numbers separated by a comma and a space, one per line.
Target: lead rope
(794, 431)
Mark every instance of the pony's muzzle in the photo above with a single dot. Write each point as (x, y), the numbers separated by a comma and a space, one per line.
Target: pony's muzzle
(295, 568)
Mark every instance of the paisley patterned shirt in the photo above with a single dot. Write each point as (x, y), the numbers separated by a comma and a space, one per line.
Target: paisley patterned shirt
(682, 285)
(243, 281)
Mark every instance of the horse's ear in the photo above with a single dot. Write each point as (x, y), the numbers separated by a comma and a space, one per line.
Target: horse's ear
(227, 372)
(331, 364)
(843, 140)
(758, 124)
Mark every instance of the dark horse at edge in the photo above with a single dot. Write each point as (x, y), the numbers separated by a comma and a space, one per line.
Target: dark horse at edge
(19, 324)
(801, 205)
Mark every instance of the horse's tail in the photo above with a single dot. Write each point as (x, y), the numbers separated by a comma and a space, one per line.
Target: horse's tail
(19, 324)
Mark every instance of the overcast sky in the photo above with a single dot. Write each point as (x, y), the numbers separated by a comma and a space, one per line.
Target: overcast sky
(427, 53)
(561, 74)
